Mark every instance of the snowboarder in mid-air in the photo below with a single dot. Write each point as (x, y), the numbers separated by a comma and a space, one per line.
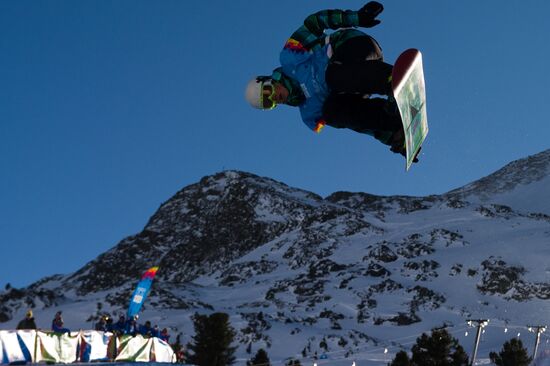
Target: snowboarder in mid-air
(331, 77)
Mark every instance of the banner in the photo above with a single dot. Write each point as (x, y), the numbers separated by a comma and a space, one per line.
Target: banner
(141, 291)
(15, 347)
(30, 346)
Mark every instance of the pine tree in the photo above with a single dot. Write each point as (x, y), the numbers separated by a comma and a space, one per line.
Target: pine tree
(439, 349)
(212, 341)
(259, 359)
(401, 359)
(512, 354)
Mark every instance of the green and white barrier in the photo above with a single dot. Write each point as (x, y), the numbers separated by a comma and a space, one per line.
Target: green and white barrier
(84, 346)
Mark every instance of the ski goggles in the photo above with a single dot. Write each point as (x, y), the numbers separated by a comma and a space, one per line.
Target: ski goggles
(268, 92)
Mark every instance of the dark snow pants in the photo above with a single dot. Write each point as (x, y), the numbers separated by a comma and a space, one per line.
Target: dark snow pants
(357, 70)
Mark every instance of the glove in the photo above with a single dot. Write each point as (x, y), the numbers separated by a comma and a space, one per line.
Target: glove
(368, 13)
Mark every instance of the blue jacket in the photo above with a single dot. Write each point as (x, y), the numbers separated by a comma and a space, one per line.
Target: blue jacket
(305, 58)
(308, 69)
(57, 326)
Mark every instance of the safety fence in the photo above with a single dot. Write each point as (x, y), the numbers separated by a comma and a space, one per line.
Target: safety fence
(31, 346)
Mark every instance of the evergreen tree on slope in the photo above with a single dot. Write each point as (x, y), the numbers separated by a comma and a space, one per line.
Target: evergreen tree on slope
(439, 349)
(260, 359)
(512, 354)
(211, 344)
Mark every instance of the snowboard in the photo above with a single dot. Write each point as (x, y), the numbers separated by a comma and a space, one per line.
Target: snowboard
(409, 91)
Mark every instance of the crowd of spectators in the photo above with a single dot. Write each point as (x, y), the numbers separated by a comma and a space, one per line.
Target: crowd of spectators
(130, 326)
(105, 323)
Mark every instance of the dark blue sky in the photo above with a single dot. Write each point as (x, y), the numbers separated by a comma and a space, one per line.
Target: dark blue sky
(108, 108)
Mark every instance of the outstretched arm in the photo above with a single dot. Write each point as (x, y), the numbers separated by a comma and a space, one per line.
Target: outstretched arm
(310, 34)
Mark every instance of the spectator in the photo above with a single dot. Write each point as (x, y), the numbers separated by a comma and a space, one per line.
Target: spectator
(164, 335)
(28, 322)
(146, 330)
(57, 324)
(120, 326)
(179, 350)
(109, 326)
(131, 325)
(101, 325)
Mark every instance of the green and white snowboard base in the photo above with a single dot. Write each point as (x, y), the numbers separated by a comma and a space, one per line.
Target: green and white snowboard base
(409, 91)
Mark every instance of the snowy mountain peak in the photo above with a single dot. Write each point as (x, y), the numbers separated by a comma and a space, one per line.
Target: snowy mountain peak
(202, 228)
(232, 193)
(523, 184)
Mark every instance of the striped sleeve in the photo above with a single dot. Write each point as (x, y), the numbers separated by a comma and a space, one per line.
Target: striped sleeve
(311, 33)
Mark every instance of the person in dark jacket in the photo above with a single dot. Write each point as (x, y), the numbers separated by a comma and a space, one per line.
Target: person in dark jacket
(146, 330)
(331, 78)
(109, 326)
(164, 335)
(120, 326)
(156, 331)
(28, 322)
(101, 325)
(131, 325)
